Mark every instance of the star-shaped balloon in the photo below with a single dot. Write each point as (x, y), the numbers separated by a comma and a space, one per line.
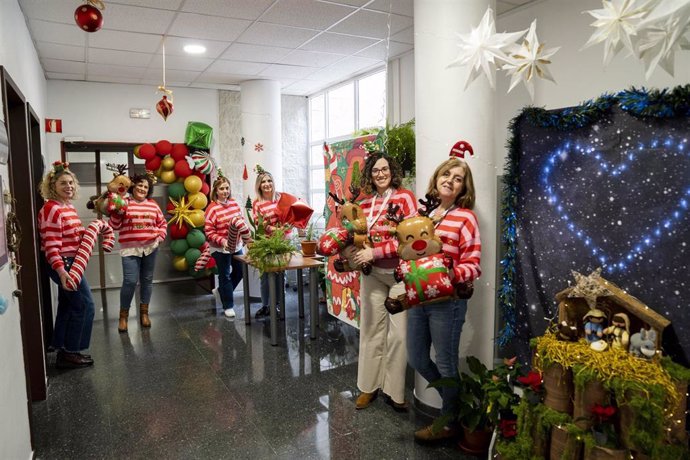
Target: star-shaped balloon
(528, 60)
(181, 212)
(662, 33)
(482, 47)
(589, 287)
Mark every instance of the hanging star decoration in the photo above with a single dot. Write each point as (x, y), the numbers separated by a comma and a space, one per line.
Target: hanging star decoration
(528, 60)
(662, 34)
(181, 212)
(482, 47)
(589, 287)
(617, 24)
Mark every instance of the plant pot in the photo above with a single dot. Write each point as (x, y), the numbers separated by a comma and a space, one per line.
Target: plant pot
(558, 385)
(602, 453)
(593, 392)
(564, 445)
(278, 260)
(308, 248)
(475, 442)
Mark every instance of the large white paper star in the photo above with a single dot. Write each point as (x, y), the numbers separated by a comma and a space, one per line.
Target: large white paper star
(616, 25)
(588, 287)
(528, 60)
(662, 34)
(482, 46)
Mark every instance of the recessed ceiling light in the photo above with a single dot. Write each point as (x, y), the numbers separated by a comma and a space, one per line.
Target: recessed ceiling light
(195, 49)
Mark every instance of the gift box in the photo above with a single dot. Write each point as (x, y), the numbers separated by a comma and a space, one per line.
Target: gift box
(292, 210)
(426, 280)
(333, 241)
(198, 135)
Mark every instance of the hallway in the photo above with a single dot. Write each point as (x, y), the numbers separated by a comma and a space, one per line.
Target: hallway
(197, 386)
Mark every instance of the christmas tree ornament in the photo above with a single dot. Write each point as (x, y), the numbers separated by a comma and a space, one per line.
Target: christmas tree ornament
(88, 16)
(245, 176)
(165, 106)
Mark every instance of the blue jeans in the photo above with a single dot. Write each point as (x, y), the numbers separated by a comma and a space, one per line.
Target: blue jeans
(229, 276)
(280, 284)
(75, 311)
(439, 324)
(137, 269)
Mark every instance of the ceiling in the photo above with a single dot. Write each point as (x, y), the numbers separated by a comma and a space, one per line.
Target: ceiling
(306, 44)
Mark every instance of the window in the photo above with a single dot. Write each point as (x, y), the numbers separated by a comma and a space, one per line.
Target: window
(336, 114)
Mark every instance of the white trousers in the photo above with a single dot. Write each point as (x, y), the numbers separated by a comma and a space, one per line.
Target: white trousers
(382, 337)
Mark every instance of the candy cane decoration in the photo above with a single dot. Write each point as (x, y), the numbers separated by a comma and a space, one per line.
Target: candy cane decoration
(88, 241)
(203, 259)
(237, 227)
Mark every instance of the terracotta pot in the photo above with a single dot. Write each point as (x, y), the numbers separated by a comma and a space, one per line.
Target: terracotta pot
(602, 453)
(309, 248)
(563, 443)
(475, 442)
(558, 385)
(591, 393)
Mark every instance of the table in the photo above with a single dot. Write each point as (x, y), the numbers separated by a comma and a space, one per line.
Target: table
(299, 263)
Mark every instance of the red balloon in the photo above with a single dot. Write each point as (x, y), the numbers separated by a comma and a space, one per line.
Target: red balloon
(211, 263)
(178, 231)
(182, 169)
(88, 18)
(169, 207)
(147, 151)
(205, 188)
(200, 175)
(179, 151)
(163, 148)
(154, 163)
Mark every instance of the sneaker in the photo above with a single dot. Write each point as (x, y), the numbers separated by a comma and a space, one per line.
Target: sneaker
(427, 434)
(262, 312)
(216, 295)
(229, 313)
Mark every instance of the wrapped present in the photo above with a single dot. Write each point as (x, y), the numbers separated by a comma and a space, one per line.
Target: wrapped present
(198, 135)
(292, 210)
(333, 241)
(426, 280)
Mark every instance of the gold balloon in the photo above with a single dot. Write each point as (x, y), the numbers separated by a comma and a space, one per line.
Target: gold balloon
(198, 200)
(136, 151)
(197, 218)
(168, 177)
(168, 163)
(180, 264)
(193, 184)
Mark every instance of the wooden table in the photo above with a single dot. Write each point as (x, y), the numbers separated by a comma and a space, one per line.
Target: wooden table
(299, 263)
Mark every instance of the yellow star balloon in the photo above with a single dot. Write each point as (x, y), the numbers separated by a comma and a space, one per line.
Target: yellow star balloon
(588, 287)
(181, 212)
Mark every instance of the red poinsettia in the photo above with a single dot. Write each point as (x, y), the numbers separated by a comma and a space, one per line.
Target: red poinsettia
(531, 380)
(602, 414)
(508, 428)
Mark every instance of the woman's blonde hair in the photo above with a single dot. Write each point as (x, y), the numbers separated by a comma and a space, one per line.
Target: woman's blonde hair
(466, 197)
(217, 183)
(257, 186)
(47, 186)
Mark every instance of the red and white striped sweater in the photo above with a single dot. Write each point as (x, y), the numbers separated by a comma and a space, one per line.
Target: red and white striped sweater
(142, 224)
(459, 232)
(60, 230)
(218, 219)
(382, 231)
(269, 211)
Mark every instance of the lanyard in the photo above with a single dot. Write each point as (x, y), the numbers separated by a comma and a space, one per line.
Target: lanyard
(371, 220)
(440, 219)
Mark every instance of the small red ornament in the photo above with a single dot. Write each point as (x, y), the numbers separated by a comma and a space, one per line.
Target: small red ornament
(245, 176)
(460, 149)
(88, 18)
(164, 107)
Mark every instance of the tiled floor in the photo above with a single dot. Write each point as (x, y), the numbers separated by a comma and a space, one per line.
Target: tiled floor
(200, 386)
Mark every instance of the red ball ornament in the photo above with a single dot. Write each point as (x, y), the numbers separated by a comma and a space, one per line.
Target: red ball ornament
(147, 151)
(178, 231)
(182, 169)
(163, 148)
(164, 107)
(205, 188)
(170, 207)
(179, 151)
(153, 164)
(88, 18)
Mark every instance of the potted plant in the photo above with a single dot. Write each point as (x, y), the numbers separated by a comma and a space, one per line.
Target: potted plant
(310, 240)
(270, 251)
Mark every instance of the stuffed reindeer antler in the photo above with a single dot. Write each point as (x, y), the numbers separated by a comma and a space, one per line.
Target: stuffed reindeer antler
(117, 169)
(354, 193)
(340, 201)
(393, 213)
(431, 203)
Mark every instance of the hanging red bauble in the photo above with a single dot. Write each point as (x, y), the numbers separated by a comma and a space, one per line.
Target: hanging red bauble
(245, 176)
(88, 18)
(164, 107)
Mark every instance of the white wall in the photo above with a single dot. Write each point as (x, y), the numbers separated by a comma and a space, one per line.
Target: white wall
(19, 58)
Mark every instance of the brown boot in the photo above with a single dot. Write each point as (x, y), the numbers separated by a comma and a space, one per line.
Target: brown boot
(144, 315)
(364, 400)
(122, 325)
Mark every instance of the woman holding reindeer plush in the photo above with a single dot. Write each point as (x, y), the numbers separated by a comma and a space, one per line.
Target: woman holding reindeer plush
(439, 324)
(141, 229)
(382, 353)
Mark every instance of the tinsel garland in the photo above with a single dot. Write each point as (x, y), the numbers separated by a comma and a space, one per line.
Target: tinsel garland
(641, 103)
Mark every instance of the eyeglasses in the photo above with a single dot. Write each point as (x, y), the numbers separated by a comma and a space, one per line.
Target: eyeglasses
(377, 171)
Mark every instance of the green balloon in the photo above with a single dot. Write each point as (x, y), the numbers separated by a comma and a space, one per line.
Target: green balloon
(191, 255)
(179, 247)
(176, 190)
(195, 238)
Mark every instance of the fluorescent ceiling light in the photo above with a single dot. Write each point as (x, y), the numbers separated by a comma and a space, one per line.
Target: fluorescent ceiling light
(195, 49)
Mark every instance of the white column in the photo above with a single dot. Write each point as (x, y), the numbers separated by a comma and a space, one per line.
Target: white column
(261, 124)
(446, 113)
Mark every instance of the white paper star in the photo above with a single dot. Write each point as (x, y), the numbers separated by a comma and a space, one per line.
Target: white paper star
(588, 287)
(482, 46)
(616, 24)
(662, 34)
(529, 59)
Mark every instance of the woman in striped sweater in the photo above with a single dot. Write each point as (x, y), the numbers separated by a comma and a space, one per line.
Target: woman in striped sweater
(266, 205)
(61, 231)
(382, 353)
(440, 324)
(141, 229)
(222, 214)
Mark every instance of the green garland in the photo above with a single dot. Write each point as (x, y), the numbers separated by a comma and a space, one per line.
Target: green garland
(641, 103)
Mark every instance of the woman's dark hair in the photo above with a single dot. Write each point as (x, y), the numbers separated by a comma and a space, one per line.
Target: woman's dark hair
(142, 177)
(396, 172)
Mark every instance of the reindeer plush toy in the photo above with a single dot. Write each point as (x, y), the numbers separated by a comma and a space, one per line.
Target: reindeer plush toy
(113, 200)
(353, 233)
(423, 267)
